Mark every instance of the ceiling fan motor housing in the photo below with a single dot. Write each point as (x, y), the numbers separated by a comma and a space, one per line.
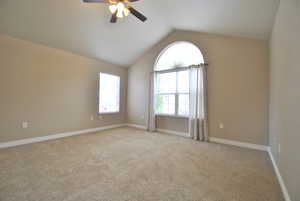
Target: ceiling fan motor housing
(118, 12)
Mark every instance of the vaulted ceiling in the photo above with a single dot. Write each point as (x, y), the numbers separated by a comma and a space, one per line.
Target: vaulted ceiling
(85, 29)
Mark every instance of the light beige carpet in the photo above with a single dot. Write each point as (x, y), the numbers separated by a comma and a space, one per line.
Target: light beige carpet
(132, 165)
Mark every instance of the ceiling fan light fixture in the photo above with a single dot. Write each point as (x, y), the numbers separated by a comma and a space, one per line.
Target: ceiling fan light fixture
(126, 11)
(120, 8)
(113, 8)
(120, 14)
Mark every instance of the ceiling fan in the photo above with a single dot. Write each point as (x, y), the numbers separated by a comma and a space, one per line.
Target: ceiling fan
(120, 8)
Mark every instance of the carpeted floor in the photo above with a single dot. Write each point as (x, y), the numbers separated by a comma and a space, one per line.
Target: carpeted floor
(132, 165)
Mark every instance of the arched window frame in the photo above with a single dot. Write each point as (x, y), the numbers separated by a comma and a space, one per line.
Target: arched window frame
(170, 46)
(176, 95)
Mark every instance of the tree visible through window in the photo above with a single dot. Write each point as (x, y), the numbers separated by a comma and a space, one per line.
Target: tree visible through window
(172, 87)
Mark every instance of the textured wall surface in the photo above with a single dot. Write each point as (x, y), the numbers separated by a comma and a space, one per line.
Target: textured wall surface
(285, 94)
(54, 90)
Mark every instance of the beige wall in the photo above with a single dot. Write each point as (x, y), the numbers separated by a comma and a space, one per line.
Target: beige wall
(238, 79)
(285, 94)
(55, 91)
(179, 124)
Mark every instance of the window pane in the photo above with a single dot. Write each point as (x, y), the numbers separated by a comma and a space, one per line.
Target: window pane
(109, 94)
(179, 54)
(183, 82)
(183, 104)
(165, 104)
(166, 83)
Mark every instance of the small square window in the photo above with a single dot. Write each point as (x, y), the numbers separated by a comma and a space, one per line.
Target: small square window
(165, 104)
(166, 83)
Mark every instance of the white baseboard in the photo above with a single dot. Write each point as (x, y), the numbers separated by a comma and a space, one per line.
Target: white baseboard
(212, 139)
(182, 134)
(279, 177)
(261, 148)
(56, 136)
(137, 126)
(239, 144)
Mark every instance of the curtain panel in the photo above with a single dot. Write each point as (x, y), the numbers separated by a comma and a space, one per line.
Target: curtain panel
(198, 122)
(151, 125)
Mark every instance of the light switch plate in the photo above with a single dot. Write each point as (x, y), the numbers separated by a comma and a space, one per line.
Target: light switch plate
(24, 124)
(221, 125)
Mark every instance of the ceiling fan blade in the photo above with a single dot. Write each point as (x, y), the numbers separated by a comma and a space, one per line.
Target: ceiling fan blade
(132, 0)
(95, 1)
(114, 18)
(137, 14)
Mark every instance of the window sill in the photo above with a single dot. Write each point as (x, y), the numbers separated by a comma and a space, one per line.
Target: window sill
(172, 116)
(105, 113)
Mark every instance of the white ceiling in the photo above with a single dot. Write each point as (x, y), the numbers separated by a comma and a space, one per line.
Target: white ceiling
(85, 29)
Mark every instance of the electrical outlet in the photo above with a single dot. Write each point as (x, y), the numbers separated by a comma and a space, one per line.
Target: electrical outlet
(221, 125)
(92, 118)
(24, 124)
(279, 148)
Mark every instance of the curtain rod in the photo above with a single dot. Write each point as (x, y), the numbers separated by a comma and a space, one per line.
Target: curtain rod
(180, 68)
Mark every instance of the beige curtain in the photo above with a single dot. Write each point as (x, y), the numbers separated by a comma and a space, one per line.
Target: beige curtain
(151, 125)
(198, 124)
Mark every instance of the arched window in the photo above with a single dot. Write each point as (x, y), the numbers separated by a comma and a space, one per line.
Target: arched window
(172, 78)
(179, 54)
